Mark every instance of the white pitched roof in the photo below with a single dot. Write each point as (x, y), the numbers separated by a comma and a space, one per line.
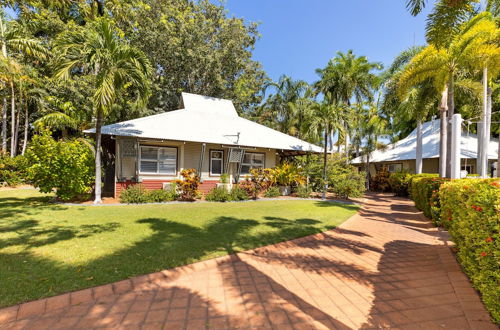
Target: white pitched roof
(406, 148)
(209, 120)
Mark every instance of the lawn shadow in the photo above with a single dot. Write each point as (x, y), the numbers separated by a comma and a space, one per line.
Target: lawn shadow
(13, 206)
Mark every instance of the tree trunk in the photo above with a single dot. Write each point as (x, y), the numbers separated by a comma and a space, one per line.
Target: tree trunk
(451, 112)
(443, 106)
(487, 133)
(346, 143)
(418, 159)
(368, 170)
(26, 128)
(325, 182)
(12, 120)
(98, 180)
(18, 120)
(4, 125)
(483, 131)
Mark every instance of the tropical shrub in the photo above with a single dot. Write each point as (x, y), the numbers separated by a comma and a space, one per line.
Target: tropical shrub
(162, 195)
(188, 187)
(218, 194)
(343, 179)
(470, 211)
(287, 174)
(238, 194)
(12, 170)
(138, 194)
(400, 183)
(272, 192)
(66, 166)
(304, 191)
(424, 192)
(134, 194)
(348, 184)
(380, 181)
(258, 181)
(224, 178)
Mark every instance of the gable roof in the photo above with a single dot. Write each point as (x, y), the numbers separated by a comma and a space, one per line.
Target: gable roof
(405, 149)
(209, 120)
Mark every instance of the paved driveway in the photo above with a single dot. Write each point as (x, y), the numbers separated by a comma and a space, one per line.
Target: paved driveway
(386, 267)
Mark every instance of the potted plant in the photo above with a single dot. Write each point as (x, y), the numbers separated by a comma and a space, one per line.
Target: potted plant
(287, 175)
(224, 182)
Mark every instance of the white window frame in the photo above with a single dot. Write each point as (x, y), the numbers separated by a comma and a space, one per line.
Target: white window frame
(251, 164)
(157, 160)
(221, 161)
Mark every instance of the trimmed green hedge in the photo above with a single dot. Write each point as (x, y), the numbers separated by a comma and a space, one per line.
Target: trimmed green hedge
(470, 210)
(423, 190)
(400, 183)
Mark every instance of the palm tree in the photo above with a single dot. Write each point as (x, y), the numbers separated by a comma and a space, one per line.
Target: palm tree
(14, 38)
(327, 117)
(416, 104)
(348, 76)
(443, 65)
(374, 125)
(281, 106)
(98, 50)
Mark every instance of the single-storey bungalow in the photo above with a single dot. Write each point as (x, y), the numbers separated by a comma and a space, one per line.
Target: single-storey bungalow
(402, 154)
(207, 135)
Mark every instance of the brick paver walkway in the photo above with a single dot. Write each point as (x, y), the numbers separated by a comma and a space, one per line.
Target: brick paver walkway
(386, 267)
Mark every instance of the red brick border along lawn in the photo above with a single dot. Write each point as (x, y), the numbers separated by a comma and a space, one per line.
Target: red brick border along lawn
(386, 267)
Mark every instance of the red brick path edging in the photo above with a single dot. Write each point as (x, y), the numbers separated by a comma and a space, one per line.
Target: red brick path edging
(386, 267)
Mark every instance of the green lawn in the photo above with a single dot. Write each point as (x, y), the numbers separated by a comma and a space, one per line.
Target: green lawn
(46, 249)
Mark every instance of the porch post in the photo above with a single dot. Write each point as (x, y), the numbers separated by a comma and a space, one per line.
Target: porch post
(202, 158)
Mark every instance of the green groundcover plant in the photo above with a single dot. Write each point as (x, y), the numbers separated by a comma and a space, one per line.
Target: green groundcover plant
(470, 211)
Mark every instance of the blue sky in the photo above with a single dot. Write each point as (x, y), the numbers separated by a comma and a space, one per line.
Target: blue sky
(299, 36)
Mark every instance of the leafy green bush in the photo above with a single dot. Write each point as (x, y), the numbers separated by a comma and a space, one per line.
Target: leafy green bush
(12, 170)
(138, 194)
(304, 191)
(224, 178)
(287, 174)
(400, 183)
(161, 195)
(424, 192)
(348, 183)
(134, 194)
(218, 194)
(272, 191)
(66, 166)
(470, 211)
(238, 194)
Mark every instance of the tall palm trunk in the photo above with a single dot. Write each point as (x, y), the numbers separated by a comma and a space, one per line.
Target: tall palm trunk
(443, 134)
(4, 125)
(98, 137)
(18, 119)
(368, 170)
(325, 160)
(26, 128)
(12, 120)
(346, 143)
(451, 112)
(418, 158)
